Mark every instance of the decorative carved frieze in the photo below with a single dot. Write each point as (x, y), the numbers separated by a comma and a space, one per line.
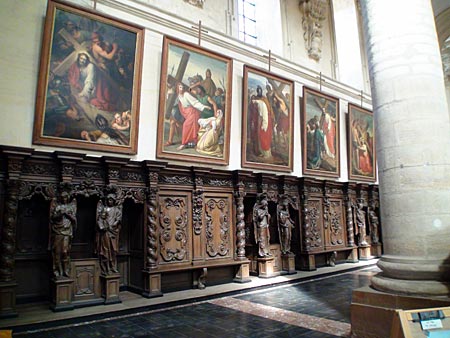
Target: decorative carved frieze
(131, 176)
(177, 180)
(40, 169)
(219, 182)
(89, 173)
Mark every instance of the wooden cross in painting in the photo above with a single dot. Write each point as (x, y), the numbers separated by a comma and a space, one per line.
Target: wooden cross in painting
(172, 81)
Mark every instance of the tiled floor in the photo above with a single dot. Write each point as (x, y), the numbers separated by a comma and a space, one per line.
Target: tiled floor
(314, 308)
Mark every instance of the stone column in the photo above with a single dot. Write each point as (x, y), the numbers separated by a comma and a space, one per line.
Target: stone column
(413, 146)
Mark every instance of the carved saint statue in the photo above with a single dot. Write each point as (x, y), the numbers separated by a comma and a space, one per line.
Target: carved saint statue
(63, 222)
(109, 219)
(261, 222)
(361, 222)
(374, 225)
(285, 225)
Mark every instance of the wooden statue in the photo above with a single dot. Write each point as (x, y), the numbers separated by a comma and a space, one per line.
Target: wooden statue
(261, 221)
(361, 222)
(109, 220)
(285, 224)
(63, 223)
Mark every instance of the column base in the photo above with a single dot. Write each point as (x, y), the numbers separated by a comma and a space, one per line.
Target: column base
(61, 294)
(372, 312)
(152, 286)
(288, 263)
(266, 267)
(110, 288)
(243, 274)
(8, 299)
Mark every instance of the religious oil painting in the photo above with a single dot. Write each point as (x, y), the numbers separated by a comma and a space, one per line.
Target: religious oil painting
(361, 144)
(89, 81)
(194, 104)
(267, 121)
(320, 134)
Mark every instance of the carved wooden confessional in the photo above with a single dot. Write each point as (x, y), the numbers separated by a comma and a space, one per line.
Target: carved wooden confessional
(181, 226)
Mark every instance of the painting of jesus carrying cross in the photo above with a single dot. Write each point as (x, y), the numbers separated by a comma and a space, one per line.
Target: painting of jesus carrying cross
(89, 82)
(195, 104)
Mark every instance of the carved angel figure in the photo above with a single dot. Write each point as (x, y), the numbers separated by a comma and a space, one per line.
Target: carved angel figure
(109, 221)
(63, 223)
(261, 221)
(285, 225)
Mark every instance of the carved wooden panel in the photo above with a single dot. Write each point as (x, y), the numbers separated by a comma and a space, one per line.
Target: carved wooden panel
(86, 276)
(175, 227)
(218, 226)
(335, 234)
(314, 235)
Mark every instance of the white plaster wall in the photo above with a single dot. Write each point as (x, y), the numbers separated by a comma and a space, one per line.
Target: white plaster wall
(214, 13)
(21, 23)
(294, 43)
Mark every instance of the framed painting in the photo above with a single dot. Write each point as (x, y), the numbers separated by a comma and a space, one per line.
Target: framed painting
(89, 81)
(320, 134)
(361, 144)
(194, 104)
(267, 121)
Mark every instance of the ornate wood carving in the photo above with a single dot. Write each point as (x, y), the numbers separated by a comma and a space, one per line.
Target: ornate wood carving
(28, 190)
(336, 230)
(88, 188)
(219, 182)
(177, 180)
(313, 235)
(8, 239)
(197, 212)
(350, 229)
(40, 169)
(217, 227)
(89, 173)
(240, 224)
(173, 235)
(152, 229)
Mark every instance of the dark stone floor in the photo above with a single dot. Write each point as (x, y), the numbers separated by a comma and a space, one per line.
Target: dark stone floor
(323, 298)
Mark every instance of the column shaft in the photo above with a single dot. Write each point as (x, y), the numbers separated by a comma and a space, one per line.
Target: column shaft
(413, 145)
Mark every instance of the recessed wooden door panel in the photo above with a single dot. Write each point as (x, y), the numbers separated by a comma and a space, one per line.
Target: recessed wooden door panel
(175, 227)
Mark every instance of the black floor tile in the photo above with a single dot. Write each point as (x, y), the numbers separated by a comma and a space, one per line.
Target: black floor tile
(325, 298)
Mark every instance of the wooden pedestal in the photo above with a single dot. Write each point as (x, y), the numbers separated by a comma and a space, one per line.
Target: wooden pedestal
(243, 274)
(8, 299)
(307, 262)
(110, 288)
(62, 294)
(375, 250)
(152, 287)
(353, 256)
(265, 267)
(364, 253)
(288, 263)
